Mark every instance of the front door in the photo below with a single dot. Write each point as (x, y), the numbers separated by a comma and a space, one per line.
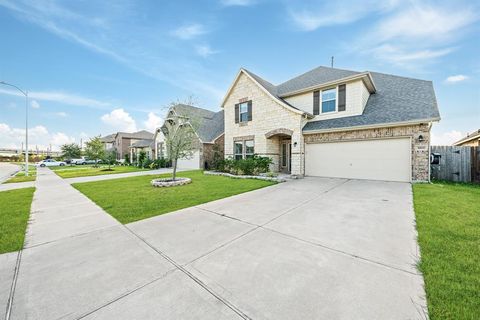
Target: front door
(285, 159)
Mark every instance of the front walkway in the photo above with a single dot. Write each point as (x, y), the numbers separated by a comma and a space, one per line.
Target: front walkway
(305, 249)
(19, 185)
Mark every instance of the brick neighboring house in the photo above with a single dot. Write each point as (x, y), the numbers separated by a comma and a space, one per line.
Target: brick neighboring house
(334, 123)
(124, 140)
(471, 140)
(209, 130)
(142, 145)
(108, 141)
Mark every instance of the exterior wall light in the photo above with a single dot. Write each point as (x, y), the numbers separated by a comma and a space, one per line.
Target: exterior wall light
(295, 144)
(421, 138)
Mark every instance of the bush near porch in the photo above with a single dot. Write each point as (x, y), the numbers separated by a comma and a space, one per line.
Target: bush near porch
(249, 166)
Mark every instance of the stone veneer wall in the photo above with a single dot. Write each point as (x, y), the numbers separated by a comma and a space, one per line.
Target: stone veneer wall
(267, 115)
(420, 150)
(209, 150)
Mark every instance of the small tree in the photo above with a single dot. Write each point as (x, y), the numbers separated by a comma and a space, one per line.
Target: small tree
(110, 157)
(94, 149)
(141, 158)
(180, 139)
(71, 151)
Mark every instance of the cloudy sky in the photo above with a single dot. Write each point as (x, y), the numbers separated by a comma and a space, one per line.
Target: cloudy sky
(93, 67)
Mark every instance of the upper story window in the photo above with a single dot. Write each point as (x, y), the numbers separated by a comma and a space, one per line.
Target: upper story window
(243, 112)
(329, 100)
(243, 108)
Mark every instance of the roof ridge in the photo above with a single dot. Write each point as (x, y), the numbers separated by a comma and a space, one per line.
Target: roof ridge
(394, 75)
(318, 67)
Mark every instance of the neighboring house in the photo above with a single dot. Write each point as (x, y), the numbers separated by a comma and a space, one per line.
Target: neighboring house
(108, 141)
(333, 123)
(123, 141)
(208, 126)
(471, 140)
(142, 145)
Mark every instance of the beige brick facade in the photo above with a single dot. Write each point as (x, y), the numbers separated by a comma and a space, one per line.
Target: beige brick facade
(420, 149)
(267, 115)
(272, 122)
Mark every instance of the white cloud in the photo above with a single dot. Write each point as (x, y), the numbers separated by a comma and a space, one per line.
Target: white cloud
(189, 31)
(119, 120)
(400, 56)
(446, 138)
(60, 138)
(242, 3)
(153, 122)
(455, 79)
(61, 114)
(417, 33)
(35, 104)
(61, 97)
(38, 136)
(205, 50)
(311, 15)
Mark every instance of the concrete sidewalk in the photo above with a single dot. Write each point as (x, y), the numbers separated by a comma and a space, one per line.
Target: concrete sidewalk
(77, 259)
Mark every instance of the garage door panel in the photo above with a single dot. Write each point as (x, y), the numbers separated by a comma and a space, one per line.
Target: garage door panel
(387, 159)
(190, 163)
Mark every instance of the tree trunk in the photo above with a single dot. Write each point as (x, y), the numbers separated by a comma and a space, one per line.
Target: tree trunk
(174, 169)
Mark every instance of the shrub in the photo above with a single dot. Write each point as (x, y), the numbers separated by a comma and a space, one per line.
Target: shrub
(160, 163)
(146, 163)
(250, 166)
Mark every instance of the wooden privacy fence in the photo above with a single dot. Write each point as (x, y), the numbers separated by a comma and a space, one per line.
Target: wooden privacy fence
(459, 164)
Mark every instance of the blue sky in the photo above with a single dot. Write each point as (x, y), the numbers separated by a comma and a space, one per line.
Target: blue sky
(94, 67)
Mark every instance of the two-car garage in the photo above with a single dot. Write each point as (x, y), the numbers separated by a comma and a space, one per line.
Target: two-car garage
(377, 159)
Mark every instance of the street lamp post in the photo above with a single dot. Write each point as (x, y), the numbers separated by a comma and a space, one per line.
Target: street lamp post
(25, 93)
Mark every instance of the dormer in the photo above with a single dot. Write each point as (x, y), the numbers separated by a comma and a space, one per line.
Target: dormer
(343, 97)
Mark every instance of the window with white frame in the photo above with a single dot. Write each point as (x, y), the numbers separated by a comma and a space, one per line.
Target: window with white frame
(238, 150)
(243, 110)
(249, 148)
(329, 100)
(244, 149)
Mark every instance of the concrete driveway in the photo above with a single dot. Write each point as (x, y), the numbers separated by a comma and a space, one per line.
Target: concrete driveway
(306, 249)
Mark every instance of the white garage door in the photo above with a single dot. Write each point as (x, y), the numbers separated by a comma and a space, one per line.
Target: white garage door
(387, 159)
(190, 163)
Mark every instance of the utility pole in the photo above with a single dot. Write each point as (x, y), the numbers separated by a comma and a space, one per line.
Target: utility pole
(332, 61)
(25, 93)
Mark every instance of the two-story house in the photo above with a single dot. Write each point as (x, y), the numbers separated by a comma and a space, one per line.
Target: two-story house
(333, 123)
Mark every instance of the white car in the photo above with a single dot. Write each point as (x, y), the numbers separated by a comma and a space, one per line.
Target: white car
(78, 161)
(50, 163)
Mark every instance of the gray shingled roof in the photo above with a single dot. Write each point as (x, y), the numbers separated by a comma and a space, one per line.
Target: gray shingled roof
(397, 99)
(312, 78)
(210, 124)
(108, 138)
(142, 134)
(143, 143)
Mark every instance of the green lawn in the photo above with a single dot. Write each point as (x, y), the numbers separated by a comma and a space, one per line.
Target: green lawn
(448, 223)
(14, 213)
(88, 170)
(132, 199)
(20, 176)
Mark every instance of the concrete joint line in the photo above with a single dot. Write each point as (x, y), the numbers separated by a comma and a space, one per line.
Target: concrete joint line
(68, 237)
(8, 311)
(195, 279)
(126, 294)
(343, 252)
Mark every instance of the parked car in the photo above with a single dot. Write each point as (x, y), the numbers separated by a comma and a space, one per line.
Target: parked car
(50, 163)
(91, 161)
(78, 161)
